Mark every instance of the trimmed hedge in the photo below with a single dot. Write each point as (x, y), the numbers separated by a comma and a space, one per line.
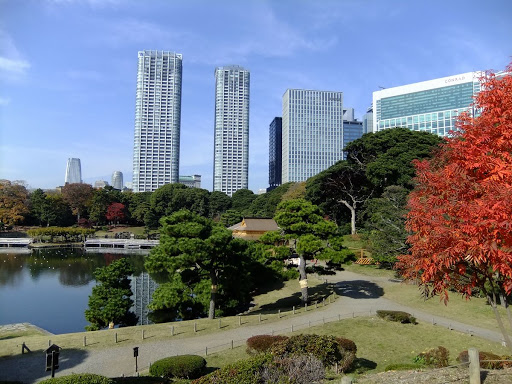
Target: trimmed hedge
(63, 233)
(435, 357)
(328, 349)
(82, 378)
(262, 343)
(184, 367)
(464, 358)
(398, 316)
(242, 372)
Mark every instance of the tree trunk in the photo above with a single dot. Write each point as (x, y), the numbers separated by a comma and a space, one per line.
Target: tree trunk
(303, 280)
(352, 221)
(492, 302)
(504, 303)
(213, 295)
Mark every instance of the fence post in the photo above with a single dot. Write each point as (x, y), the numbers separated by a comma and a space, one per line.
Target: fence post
(316, 304)
(172, 330)
(474, 366)
(195, 326)
(115, 337)
(306, 307)
(206, 351)
(278, 313)
(323, 302)
(142, 334)
(339, 317)
(231, 344)
(220, 323)
(239, 320)
(292, 327)
(259, 318)
(294, 309)
(85, 341)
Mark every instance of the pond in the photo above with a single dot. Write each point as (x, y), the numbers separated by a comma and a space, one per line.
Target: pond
(50, 288)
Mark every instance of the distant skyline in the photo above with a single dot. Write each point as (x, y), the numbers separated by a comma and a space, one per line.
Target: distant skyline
(68, 73)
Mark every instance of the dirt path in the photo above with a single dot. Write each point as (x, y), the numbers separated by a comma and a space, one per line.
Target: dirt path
(359, 296)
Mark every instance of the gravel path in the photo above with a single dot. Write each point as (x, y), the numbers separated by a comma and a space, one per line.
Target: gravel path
(359, 296)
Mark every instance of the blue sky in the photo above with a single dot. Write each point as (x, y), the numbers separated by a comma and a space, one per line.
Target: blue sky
(68, 68)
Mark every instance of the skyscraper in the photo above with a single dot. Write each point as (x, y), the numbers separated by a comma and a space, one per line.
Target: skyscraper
(312, 132)
(352, 129)
(156, 149)
(430, 106)
(73, 171)
(117, 180)
(275, 148)
(368, 121)
(231, 136)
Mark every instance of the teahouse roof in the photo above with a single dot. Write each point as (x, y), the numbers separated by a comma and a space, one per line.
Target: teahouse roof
(250, 224)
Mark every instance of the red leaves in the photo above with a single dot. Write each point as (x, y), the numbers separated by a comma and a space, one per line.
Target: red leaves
(461, 209)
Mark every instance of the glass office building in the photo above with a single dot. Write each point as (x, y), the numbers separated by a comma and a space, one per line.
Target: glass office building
(117, 180)
(312, 132)
(275, 148)
(430, 106)
(73, 171)
(231, 133)
(368, 121)
(156, 148)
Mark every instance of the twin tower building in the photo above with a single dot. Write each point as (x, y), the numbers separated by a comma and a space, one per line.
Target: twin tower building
(311, 136)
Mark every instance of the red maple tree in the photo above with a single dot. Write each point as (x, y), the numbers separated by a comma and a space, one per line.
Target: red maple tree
(460, 215)
(115, 212)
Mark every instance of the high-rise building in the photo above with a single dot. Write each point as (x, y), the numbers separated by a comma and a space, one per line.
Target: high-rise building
(231, 136)
(352, 129)
(156, 148)
(430, 106)
(73, 171)
(312, 132)
(275, 148)
(117, 180)
(100, 184)
(368, 121)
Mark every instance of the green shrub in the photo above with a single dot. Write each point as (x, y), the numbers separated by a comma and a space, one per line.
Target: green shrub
(325, 348)
(303, 369)
(262, 343)
(401, 367)
(82, 378)
(398, 316)
(434, 357)
(242, 372)
(184, 367)
(484, 360)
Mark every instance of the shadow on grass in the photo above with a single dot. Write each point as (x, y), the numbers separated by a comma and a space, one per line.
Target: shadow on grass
(362, 365)
(316, 294)
(359, 289)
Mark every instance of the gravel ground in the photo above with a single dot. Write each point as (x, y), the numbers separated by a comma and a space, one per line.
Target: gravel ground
(437, 376)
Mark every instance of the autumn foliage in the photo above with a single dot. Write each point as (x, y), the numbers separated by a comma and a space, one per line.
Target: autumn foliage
(461, 208)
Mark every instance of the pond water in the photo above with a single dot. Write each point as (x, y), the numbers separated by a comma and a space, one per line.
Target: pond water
(50, 288)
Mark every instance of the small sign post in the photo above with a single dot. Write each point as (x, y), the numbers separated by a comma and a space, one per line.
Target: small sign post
(136, 355)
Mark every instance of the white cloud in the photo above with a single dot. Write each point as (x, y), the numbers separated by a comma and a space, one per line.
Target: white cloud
(12, 64)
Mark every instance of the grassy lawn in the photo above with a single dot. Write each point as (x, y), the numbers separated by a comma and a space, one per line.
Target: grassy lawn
(383, 342)
(472, 312)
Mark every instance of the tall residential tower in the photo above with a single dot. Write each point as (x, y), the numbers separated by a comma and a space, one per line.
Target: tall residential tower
(156, 148)
(231, 136)
(312, 132)
(73, 171)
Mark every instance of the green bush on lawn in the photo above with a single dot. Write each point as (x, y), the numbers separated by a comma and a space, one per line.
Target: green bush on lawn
(184, 367)
(398, 316)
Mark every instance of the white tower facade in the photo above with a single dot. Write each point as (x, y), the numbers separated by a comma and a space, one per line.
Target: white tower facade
(156, 148)
(312, 132)
(117, 180)
(73, 171)
(231, 136)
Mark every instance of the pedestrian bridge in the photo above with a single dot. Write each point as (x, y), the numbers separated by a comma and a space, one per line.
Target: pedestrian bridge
(93, 244)
(15, 242)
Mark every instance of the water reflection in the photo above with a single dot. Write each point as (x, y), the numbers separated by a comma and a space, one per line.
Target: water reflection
(50, 287)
